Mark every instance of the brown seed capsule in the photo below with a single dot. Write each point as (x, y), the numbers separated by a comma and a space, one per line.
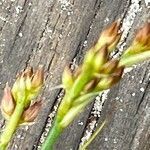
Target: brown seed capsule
(77, 72)
(38, 78)
(109, 35)
(31, 113)
(28, 72)
(141, 42)
(109, 81)
(143, 36)
(110, 66)
(7, 103)
(101, 57)
(117, 74)
(89, 86)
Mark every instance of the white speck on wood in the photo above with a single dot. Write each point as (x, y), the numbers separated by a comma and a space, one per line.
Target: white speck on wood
(20, 34)
(147, 2)
(142, 89)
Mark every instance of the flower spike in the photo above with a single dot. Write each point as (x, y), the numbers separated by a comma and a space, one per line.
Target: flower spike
(16, 102)
(98, 72)
(139, 49)
(110, 36)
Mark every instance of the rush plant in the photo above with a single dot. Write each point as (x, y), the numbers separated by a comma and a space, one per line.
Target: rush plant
(17, 105)
(97, 73)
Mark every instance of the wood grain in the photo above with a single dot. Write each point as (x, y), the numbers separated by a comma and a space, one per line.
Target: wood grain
(52, 33)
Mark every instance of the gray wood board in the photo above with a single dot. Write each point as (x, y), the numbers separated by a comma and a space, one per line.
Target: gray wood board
(52, 33)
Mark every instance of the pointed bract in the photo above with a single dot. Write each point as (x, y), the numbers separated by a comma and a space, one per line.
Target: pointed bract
(31, 113)
(101, 57)
(38, 78)
(7, 103)
(19, 88)
(143, 36)
(109, 67)
(109, 36)
(89, 56)
(77, 72)
(117, 74)
(141, 43)
(28, 72)
(89, 86)
(67, 78)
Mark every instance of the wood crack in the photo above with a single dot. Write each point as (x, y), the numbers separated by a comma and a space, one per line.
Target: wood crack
(17, 34)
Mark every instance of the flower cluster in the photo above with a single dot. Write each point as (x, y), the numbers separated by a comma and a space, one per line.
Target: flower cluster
(97, 73)
(17, 104)
(26, 87)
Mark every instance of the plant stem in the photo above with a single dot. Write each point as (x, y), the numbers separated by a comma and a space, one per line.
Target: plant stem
(82, 99)
(11, 126)
(52, 136)
(74, 92)
(99, 129)
(64, 107)
(134, 59)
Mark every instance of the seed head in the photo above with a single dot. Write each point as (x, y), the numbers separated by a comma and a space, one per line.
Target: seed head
(38, 78)
(143, 36)
(140, 43)
(110, 36)
(31, 112)
(7, 103)
(28, 85)
(109, 67)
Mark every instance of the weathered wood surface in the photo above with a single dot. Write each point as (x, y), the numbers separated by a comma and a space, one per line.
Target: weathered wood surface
(52, 32)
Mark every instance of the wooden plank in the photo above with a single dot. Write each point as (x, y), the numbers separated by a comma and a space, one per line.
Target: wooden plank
(52, 33)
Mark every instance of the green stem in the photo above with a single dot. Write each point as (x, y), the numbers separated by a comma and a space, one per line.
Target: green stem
(64, 107)
(134, 59)
(52, 136)
(99, 129)
(11, 126)
(74, 92)
(87, 96)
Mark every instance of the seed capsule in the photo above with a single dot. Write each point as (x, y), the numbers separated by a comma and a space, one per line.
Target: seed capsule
(141, 42)
(7, 103)
(100, 58)
(31, 113)
(110, 36)
(38, 78)
(143, 36)
(110, 66)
